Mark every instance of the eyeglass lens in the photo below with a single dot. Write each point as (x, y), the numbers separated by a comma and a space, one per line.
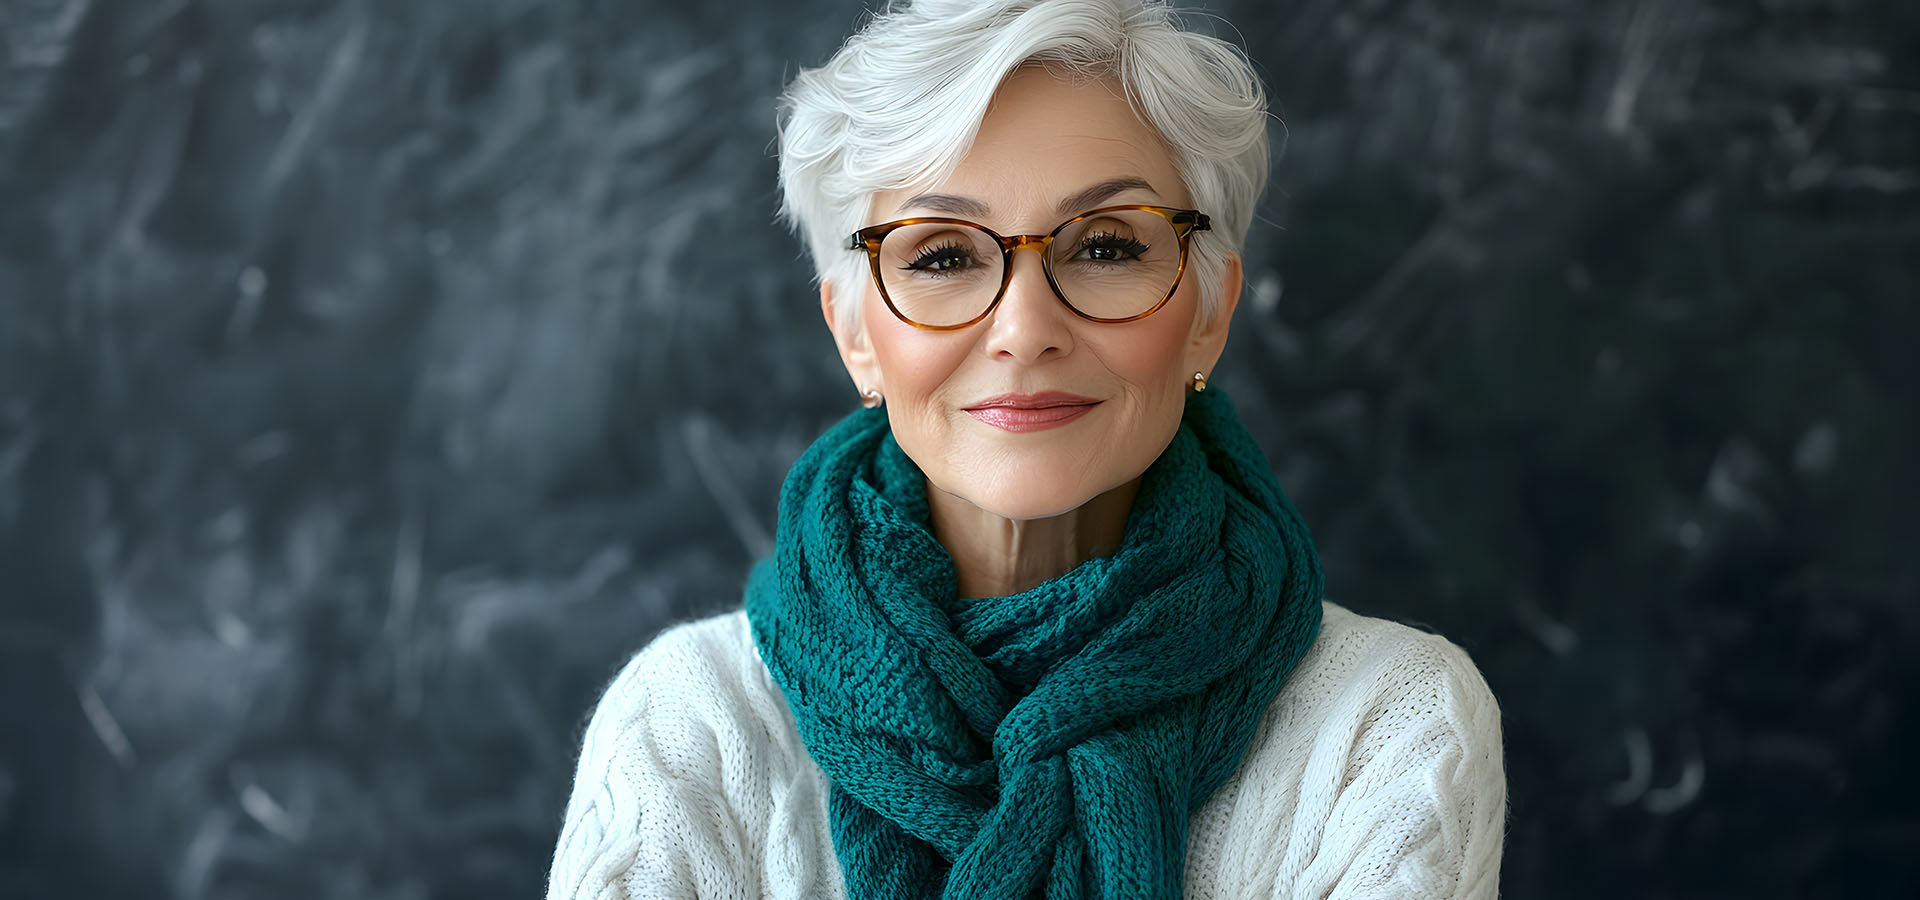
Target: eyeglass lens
(1113, 265)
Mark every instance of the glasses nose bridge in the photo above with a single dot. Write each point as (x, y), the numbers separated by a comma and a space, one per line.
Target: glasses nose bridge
(1014, 242)
(1035, 242)
(1039, 244)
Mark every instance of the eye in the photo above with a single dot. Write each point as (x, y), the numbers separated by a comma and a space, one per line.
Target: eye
(1110, 247)
(943, 259)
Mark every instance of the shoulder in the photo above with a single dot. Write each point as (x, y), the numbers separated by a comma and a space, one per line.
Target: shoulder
(1376, 772)
(1397, 743)
(701, 648)
(693, 679)
(1381, 690)
(1362, 668)
(680, 768)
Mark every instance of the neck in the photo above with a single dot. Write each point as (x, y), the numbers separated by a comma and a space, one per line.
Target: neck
(996, 556)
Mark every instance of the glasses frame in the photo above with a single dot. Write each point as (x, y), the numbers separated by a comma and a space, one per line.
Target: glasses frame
(1184, 221)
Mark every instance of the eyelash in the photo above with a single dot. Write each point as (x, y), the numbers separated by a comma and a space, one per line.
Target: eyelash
(1132, 248)
(930, 257)
(924, 263)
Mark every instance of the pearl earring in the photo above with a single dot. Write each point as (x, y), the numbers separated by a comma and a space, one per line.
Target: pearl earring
(870, 398)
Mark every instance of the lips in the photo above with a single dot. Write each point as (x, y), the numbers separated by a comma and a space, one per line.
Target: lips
(1031, 412)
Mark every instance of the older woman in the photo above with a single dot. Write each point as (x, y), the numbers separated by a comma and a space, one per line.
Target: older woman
(1039, 622)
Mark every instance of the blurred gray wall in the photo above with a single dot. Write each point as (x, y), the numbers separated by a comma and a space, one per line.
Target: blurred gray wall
(376, 377)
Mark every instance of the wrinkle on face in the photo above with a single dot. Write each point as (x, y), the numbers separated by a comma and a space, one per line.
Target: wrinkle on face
(1017, 508)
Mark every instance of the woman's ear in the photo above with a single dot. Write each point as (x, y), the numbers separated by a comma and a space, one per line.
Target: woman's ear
(1210, 334)
(856, 351)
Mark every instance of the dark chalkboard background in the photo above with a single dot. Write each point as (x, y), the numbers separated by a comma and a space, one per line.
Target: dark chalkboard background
(375, 377)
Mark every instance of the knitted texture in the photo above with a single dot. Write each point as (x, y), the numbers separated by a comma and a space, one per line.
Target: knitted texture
(1050, 743)
(1376, 774)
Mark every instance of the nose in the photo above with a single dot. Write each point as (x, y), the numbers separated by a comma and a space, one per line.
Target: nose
(1030, 324)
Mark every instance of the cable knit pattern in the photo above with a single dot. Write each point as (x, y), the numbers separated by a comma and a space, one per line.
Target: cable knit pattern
(1376, 772)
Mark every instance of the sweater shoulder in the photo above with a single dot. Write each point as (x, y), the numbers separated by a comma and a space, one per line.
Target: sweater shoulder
(1412, 700)
(699, 670)
(1376, 771)
(688, 777)
(718, 638)
(1370, 687)
(1377, 656)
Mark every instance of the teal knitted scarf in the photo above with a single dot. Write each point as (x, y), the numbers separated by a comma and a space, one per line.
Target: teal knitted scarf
(1051, 743)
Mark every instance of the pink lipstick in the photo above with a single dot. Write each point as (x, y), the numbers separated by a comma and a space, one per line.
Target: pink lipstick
(1031, 412)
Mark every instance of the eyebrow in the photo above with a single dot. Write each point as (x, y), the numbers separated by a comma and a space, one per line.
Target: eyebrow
(1077, 202)
(1093, 196)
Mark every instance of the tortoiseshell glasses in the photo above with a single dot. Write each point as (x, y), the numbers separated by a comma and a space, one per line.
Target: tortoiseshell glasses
(1112, 264)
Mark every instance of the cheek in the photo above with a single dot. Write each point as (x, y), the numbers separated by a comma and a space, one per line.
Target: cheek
(914, 364)
(915, 369)
(1150, 357)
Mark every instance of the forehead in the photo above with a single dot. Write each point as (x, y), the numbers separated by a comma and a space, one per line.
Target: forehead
(1044, 138)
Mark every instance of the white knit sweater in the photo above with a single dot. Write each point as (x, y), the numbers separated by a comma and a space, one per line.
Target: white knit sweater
(1376, 772)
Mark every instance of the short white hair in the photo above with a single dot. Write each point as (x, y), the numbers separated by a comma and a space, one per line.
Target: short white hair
(858, 125)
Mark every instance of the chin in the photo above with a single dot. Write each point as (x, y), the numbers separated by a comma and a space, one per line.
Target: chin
(1029, 495)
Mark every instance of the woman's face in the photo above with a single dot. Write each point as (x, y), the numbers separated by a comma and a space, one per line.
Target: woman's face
(1043, 141)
